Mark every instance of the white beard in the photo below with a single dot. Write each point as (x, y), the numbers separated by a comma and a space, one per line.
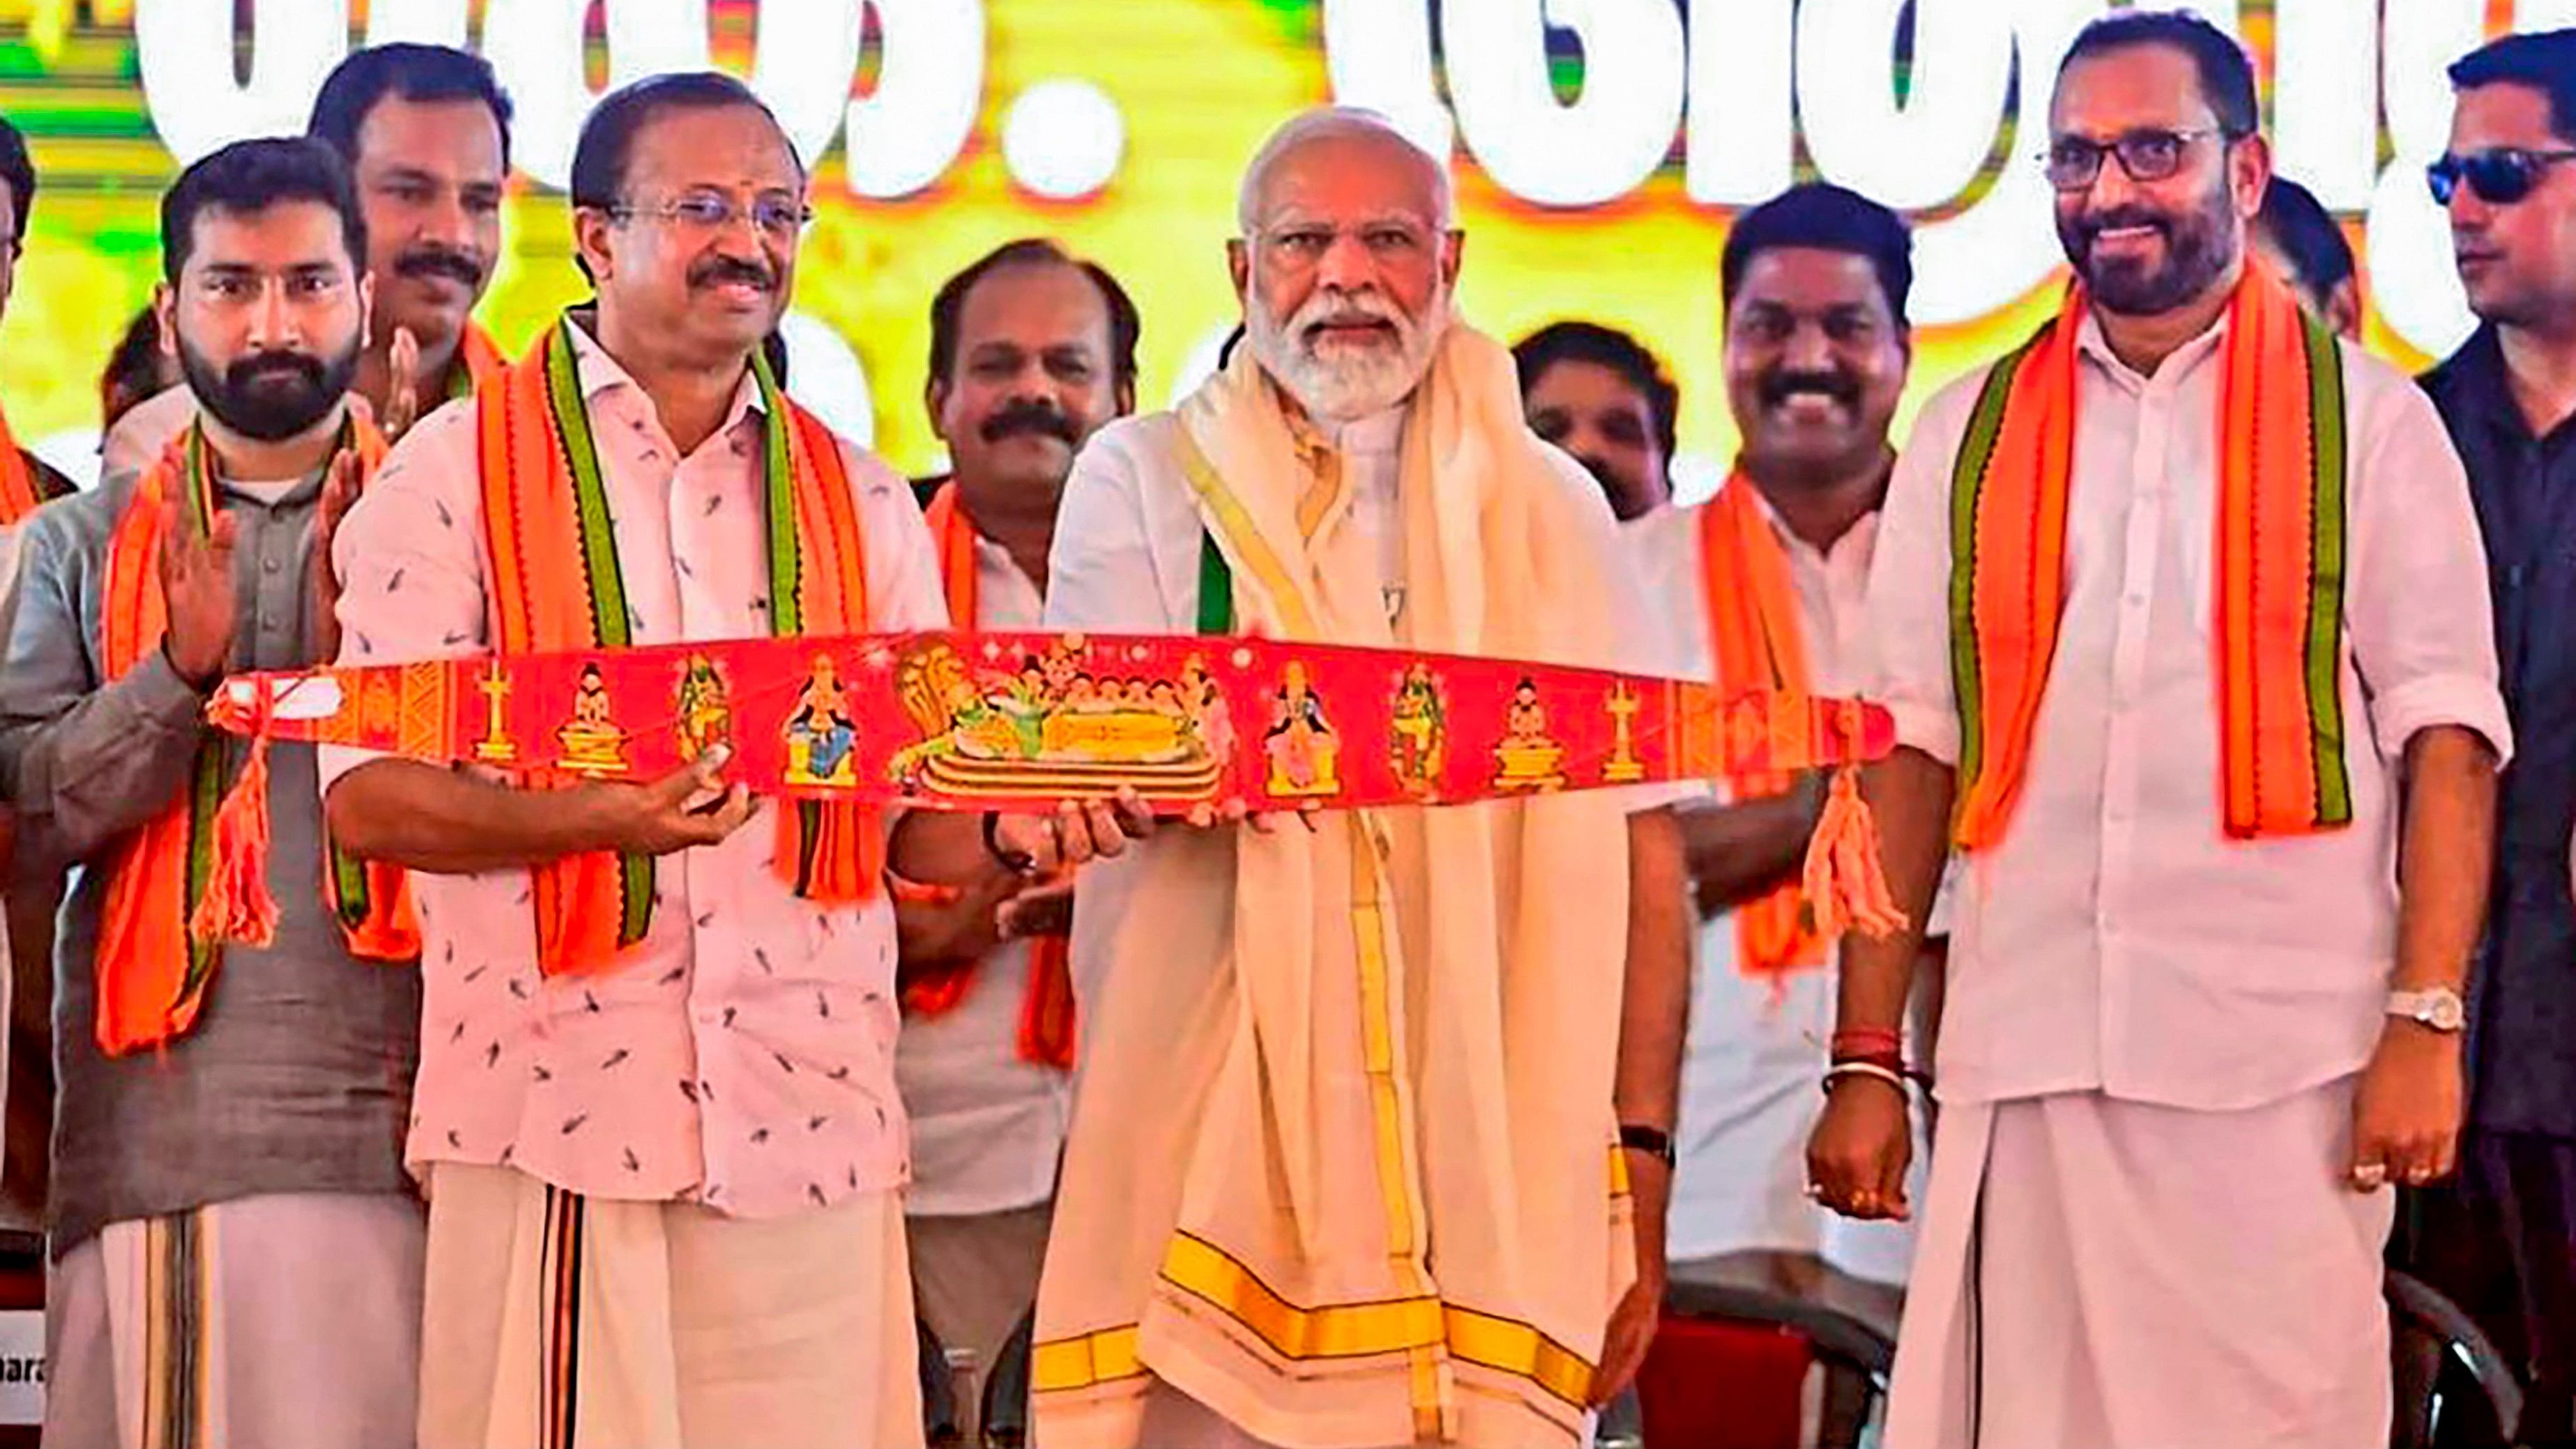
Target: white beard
(1345, 382)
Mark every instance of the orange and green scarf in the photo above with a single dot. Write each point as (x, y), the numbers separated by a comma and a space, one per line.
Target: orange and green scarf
(23, 487)
(2280, 574)
(478, 361)
(1754, 634)
(1047, 1031)
(193, 876)
(555, 584)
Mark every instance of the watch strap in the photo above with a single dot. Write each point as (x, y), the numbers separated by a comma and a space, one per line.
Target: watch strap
(1655, 1142)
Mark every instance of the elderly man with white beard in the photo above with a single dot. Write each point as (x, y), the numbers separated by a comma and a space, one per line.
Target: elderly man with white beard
(1371, 1141)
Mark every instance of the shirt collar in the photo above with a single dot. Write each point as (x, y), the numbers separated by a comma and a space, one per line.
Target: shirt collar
(2089, 342)
(599, 372)
(1857, 537)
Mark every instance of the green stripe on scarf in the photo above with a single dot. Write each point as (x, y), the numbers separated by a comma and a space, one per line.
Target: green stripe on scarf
(606, 585)
(1967, 488)
(2326, 564)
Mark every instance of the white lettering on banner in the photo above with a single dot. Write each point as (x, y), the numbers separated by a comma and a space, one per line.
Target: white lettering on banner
(804, 55)
(1927, 150)
(2407, 235)
(1538, 148)
(535, 47)
(1379, 56)
(1747, 75)
(1742, 136)
(22, 1366)
(2006, 244)
(2325, 127)
(184, 49)
(422, 22)
(930, 83)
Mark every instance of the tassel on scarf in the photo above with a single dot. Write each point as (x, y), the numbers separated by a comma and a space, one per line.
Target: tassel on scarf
(1846, 883)
(237, 905)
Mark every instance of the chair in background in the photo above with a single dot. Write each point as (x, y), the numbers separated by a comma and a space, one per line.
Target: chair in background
(1731, 1364)
(2453, 1390)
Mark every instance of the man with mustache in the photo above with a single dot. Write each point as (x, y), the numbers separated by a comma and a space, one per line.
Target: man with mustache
(1768, 580)
(1031, 351)
(657, 1115)
(2505, 1241)
(1600, 395)
(226, 1185)
(1346, 1163)
(2178, 611)
(426, 131)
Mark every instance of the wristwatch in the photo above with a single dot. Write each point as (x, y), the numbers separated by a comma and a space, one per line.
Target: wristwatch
(1655, 1142)
(2438, 1008)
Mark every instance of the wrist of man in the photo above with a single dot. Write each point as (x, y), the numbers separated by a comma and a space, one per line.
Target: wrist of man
(203, 682)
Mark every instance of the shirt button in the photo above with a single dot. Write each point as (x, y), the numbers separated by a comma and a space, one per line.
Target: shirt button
(269, 565)
(268, 622)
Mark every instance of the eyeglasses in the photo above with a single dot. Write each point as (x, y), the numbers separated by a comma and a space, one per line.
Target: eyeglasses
(2498, 176)
(779, 218)
(2146, 154)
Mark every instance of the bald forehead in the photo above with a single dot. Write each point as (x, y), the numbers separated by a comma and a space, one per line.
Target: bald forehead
(1339, 167)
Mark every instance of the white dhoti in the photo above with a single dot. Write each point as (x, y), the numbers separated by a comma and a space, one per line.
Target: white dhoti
(2123, 1276)
(557, 1321)
(284, 1321)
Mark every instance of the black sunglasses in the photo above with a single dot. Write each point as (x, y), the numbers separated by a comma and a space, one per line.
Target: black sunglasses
(2498, 176)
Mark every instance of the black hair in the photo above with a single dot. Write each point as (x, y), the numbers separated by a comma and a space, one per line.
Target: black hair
(413, 72)
(1825, 217)
(1603, 347)
(948, 308)
(2544, 60)
(2226, 72)
(599, 158)
(2306, 233)
(17, 169)
(252, 176)
(133, 370)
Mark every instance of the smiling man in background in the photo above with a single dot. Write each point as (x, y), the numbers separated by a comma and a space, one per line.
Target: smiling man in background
(426, 131)
(1031, 351)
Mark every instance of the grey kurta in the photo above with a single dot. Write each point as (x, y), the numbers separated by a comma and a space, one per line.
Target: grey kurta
(297, 1075)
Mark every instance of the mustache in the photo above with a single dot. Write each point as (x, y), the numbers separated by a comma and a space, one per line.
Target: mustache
(1786, 383)
(717, 271)
(1333, 307)
(430, 259)
(2094, 223)
(246, 371)
(1021, 416)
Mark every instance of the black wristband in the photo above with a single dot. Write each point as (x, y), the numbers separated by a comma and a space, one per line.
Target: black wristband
(1017, 862)
(1655, 1142)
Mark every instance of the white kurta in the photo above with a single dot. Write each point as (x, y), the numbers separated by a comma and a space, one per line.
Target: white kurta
(1749, 1080)
(2136, 1209)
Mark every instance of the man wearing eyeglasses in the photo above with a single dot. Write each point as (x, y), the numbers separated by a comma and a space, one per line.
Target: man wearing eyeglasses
(2507, 395)
(2178, 613)
(657, 1112)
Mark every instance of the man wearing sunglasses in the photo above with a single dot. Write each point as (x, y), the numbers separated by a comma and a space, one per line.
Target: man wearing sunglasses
(2206, 630)
(2507, 395)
